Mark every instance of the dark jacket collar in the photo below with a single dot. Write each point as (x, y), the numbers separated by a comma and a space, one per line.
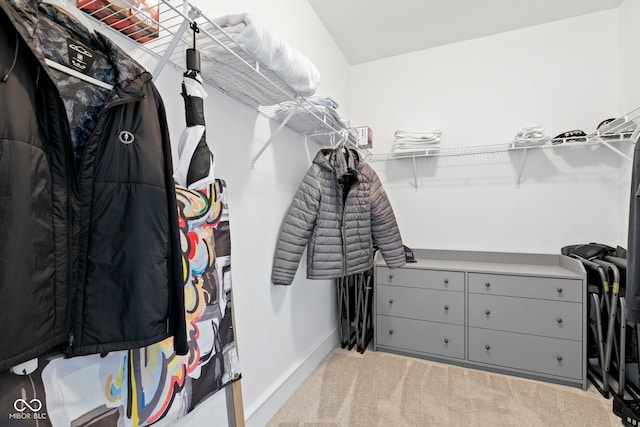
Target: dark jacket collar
(342, 161)
(130, 76)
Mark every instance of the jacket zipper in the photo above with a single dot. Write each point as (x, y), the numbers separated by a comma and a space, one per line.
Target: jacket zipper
(99, 121)
(70, 287)
(73, 192)
(71, 170)
(342, 231)
(344, 248)
(342, 225)
(77, 167)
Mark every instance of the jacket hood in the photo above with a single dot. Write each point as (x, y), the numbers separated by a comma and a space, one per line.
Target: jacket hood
(341, 161)
(25, 16)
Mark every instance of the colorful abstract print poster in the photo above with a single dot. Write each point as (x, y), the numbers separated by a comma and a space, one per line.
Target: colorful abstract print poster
(151, 385)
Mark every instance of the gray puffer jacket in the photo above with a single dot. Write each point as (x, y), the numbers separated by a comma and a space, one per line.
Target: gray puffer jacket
(341, 210)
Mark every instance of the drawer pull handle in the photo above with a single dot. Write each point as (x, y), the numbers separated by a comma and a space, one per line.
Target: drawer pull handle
(559, 358)
(446, 281)
(487, 312)
(390, 331)
(390, 276)
(390, 301)
(487, 347)
(446, 340)
(559, 290)
(487, 284)
(446, 307)
(559, 320)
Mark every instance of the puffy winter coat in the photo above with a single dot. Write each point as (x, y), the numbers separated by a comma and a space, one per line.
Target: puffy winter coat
(89, 241)
(341, 210)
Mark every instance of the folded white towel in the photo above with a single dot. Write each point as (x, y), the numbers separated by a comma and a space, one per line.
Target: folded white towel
(418, 135)
(295, 69)
(530, 136)
(419, 140)
(327, 101)
(531, 132)
(396, 149)
(325, 113)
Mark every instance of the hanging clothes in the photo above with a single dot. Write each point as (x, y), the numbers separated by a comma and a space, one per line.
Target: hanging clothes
(633, 249)
(89, 241)
(341, 211)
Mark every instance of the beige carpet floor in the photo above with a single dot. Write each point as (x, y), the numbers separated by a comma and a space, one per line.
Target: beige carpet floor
(382, 389)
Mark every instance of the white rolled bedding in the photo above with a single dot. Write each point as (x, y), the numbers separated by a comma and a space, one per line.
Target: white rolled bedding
(295, 69)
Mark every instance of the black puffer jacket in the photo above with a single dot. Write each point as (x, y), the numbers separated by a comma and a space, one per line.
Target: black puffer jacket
(89, 245)
(341, 210)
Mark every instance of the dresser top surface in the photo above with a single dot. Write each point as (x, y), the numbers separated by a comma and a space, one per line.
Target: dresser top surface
(545, 265)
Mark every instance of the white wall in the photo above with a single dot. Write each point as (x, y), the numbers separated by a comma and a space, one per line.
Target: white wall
(562, 75)
(629, 12)
(282, 332)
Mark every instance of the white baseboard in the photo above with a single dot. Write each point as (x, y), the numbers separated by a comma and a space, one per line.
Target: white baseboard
(260, 414)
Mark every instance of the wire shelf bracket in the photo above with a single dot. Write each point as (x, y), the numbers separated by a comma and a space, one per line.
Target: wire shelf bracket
(273, 136)
(164, 59)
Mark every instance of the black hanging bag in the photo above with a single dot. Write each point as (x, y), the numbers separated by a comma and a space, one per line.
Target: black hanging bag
(588, 251)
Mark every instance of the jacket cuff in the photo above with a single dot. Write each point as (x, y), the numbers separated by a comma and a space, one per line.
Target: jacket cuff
(279, 279)
(395, 261)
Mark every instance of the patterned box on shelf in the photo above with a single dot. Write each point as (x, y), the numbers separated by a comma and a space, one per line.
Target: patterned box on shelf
(137, 19)
(365, 136)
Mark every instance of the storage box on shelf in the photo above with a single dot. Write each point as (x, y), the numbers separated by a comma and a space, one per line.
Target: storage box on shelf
(137, 19)
(521, 314)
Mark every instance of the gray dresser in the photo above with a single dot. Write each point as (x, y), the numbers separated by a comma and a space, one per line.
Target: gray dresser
(520, 314)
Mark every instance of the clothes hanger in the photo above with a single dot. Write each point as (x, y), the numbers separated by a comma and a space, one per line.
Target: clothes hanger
(77, 74)
(342, 142)
(193, 56)
(73, 12)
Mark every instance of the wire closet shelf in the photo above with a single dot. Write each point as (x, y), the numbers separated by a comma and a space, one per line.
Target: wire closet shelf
(227, 66)
(624, 128)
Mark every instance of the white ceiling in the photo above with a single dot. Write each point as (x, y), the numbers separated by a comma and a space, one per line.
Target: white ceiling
(366, 30)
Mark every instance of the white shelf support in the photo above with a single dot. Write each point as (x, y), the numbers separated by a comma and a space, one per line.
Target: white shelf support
(615, 150)
(521, 168)
(272, 137)
(188, 14)
(172, 46)
(306, 146)
(415, 173)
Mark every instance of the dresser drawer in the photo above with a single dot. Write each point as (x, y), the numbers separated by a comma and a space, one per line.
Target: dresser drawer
(529, 316)
(421, 304)
(551, 356)
(419, 278)
(421, 336)
(526, 286)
